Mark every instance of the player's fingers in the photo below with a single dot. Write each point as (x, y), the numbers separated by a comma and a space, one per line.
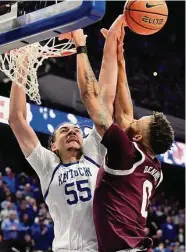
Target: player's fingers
(124, 20)
(78, 32)
(120, 46)
(122, 32)
(67, 35)
(104, 32)
(117, 23)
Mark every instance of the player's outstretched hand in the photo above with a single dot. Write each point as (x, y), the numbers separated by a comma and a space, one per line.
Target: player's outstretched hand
(115, 27)
(79, 37)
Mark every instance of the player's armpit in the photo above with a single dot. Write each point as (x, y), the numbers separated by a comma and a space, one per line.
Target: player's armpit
(24, 134)
(123, 120)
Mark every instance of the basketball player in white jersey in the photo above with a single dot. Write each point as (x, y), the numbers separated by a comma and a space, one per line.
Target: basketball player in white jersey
(67, 175)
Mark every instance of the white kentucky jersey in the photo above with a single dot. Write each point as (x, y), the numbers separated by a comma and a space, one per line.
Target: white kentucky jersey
(68, 190)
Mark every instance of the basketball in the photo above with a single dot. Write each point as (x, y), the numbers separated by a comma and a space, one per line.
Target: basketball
(145, 17)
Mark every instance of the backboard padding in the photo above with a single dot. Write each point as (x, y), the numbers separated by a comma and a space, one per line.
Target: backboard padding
(25, 30)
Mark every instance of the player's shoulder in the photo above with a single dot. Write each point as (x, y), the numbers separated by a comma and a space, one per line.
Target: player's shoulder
(93, 135)
(43, 154)
(90, 160)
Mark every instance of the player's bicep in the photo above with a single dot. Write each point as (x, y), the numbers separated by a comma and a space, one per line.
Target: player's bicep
(25, 136)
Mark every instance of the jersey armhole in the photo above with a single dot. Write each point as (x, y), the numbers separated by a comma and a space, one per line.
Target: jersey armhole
(129, 171)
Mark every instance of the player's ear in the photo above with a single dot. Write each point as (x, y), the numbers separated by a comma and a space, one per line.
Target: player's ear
(137, 138)
(53, 147)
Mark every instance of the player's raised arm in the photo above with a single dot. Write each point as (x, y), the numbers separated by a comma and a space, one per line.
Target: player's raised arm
(89, 88)
(109, 68)
(25, 135)
(123, 101)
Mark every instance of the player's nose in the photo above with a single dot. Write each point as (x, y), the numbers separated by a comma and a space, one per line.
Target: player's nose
(72, 132)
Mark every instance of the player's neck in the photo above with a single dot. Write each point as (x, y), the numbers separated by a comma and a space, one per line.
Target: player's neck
(149, 150)
(71, 156)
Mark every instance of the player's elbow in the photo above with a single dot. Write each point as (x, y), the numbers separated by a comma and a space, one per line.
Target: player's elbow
(14, 120)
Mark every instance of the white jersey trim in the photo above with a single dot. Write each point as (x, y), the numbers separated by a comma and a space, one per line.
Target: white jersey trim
(160, 180)
(132, 250)
(126, 172)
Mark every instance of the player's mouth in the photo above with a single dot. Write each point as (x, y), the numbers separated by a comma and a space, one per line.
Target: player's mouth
(73, 139)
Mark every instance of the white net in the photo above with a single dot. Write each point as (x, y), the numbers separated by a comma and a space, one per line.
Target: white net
(21, 65)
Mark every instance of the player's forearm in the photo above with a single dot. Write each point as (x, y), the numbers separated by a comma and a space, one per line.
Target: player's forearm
(87, 82)
(109, 72)
(90, 94)
(123, 102)
(17, 101)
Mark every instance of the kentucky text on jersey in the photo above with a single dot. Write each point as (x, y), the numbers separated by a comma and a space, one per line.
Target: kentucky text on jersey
(81, 171)
(155, 173)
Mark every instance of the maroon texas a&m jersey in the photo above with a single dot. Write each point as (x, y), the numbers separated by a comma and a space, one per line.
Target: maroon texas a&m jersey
(124, 187)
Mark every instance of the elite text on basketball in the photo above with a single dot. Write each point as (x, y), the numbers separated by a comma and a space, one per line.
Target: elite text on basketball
(156, 21)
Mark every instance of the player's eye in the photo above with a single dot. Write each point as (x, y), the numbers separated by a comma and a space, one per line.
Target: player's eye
(63, 130)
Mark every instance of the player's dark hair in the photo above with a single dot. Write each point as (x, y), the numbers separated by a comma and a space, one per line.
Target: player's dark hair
(161, 133)
(51, 140)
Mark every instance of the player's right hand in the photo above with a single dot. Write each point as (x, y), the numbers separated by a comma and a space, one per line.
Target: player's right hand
(116, 28)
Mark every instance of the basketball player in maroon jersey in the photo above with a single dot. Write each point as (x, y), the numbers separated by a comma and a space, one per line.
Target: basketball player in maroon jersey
(131, 171)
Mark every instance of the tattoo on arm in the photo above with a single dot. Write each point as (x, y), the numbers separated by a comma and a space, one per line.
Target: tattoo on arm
(91, 95)
(90, 77)
(104, 116)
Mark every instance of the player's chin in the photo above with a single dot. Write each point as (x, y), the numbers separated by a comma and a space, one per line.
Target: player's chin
(73, 145)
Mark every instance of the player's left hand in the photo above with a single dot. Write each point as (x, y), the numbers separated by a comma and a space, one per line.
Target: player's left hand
(79, 37)
(67, 35)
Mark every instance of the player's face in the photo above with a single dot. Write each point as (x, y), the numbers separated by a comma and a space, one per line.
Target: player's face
(138, 129)
(68, 137)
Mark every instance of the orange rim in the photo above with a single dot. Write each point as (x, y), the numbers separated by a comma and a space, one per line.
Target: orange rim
(63, 54)
(53, 55)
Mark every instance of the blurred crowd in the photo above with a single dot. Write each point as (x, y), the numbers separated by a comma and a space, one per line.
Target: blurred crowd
(26, 224)
(166, 224)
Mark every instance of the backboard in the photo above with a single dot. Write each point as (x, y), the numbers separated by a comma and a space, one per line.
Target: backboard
(27, 22)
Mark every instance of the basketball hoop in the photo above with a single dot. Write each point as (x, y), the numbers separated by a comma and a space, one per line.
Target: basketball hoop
(14, 63)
